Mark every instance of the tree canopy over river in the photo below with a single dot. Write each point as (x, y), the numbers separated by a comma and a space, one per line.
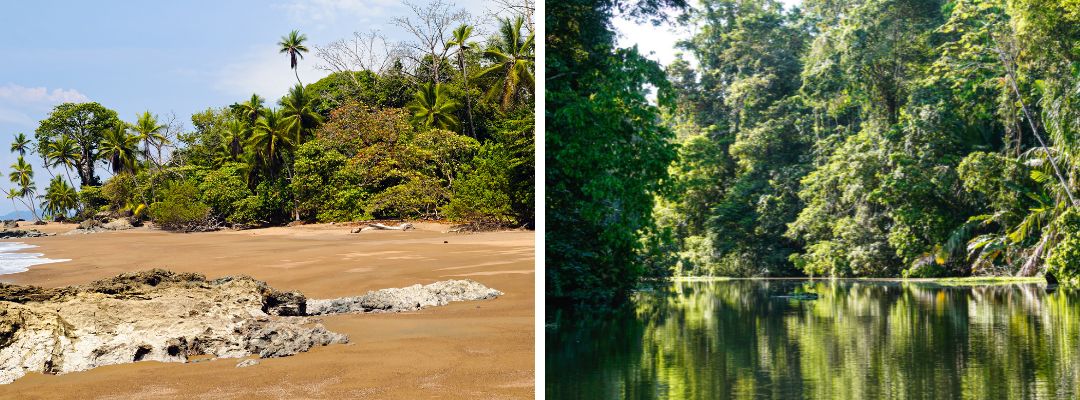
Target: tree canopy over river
(845, 138)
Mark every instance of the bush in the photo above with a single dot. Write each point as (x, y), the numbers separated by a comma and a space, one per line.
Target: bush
(181, 210)
(1064, 260)
(417, 197)
(483, 195)
(91, 200)
(222, 189)
(120, 191)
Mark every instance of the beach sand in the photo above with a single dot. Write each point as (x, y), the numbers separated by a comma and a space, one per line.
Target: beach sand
(467, 350)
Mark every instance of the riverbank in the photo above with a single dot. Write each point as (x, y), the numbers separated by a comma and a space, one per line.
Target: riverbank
(462, 350)
(966, 280)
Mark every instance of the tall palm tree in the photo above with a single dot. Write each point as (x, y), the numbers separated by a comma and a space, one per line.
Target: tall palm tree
(299, 115)
(148, 130)
(22, 175)
(461, 40)
(432, 107)
(120, 148)
(64, 153)
(293, 45)
(21, 144)
(513, 58)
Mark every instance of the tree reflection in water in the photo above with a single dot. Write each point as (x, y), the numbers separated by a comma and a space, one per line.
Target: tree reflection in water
(858, 340)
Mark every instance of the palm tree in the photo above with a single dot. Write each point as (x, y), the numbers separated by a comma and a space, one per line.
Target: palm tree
(21, 144)
(293, 45)
(22, 175)
(238, 132)
(433, 108)
(148, 130)
(513, 57)
(299, 115)
(269, 138)
(59, 197)
(120, 148)
(251, 110)
(461, 40)
(63, 152)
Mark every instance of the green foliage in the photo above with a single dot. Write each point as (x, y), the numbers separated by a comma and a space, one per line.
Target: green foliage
(120, 191)
(314, 183)
(484, 193)
(91, 200)
(86, 123)
(224, 189)
(606, 154)
(180, 208)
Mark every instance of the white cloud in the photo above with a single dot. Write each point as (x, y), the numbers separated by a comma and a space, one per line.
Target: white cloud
(15, 94)
(264, 71)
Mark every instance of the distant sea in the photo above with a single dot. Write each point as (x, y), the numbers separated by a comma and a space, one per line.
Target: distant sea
(12, 262)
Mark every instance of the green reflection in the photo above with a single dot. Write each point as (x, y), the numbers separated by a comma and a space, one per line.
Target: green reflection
(858, 340)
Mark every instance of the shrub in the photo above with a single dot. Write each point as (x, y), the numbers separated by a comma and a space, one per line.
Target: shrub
(91, 200)
(119, 191)
(483, 195)
(180, 209)
(223, 188)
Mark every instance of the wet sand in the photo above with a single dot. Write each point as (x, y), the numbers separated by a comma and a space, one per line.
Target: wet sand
(469, 350)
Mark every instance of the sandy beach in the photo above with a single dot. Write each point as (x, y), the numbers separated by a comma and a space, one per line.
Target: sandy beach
(467, 350)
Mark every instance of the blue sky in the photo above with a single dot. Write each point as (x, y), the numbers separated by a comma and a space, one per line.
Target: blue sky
(165, 56)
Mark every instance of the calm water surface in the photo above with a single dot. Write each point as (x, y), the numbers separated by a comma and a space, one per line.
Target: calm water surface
(858, 340)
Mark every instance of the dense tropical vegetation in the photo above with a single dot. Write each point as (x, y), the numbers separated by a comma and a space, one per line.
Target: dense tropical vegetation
(851, 138)
(381, 137)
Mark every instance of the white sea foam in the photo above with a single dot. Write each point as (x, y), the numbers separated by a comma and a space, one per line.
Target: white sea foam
(12, 262)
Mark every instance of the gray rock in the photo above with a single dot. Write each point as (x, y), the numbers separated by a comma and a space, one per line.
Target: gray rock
(247, 363)
(160, 315)
(18, 234)
(410, 298)
(90, 224)
(118, 224)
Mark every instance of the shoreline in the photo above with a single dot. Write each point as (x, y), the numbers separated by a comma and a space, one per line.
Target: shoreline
(967, 280)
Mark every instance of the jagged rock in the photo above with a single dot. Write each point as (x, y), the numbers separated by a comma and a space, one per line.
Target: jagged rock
(410, 298)
(18, 234)
(152, 315)
(40, 222)
(118, 224)
(9, 224)
(247, 363)
(168, 316)
(90, 224)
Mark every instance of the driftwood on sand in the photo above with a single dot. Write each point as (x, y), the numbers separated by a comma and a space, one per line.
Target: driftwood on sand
(381, 227)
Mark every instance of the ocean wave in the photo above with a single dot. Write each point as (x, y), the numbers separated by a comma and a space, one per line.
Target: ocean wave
(13, 262)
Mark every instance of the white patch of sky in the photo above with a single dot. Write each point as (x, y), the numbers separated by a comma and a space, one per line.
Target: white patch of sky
(658, 42)
(167, 57)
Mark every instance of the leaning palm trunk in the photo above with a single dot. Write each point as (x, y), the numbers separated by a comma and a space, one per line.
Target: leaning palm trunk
(1031, 266)
(1011, 77)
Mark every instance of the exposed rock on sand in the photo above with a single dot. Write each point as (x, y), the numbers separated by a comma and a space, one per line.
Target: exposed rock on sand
(18, 234)
(405, 299)
(94, 226)
(166, 316)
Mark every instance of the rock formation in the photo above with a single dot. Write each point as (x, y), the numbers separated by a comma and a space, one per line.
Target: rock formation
(166, 316)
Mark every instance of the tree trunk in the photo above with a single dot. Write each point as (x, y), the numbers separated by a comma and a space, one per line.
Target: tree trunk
(1031, 266)
(468, 98)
